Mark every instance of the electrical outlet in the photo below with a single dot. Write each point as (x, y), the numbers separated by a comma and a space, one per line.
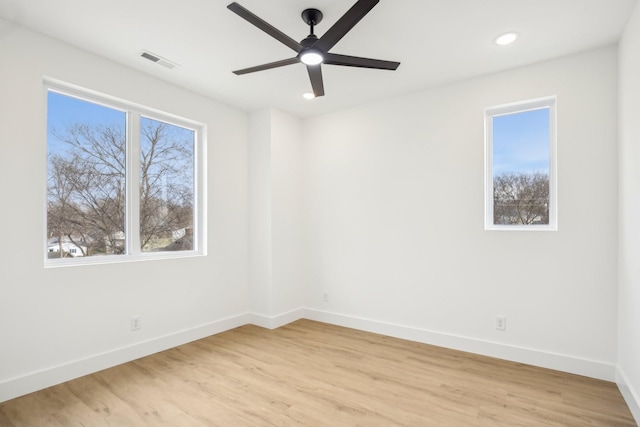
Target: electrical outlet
(501, 323)
(325, 296)
(136, 323)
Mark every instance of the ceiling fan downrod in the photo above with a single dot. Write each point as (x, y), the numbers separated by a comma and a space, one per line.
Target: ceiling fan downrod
(311, 17)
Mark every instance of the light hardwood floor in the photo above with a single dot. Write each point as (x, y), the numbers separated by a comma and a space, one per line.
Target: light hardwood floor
(313, 374)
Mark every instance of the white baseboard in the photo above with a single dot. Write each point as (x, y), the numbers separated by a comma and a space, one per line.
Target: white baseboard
(559, 362)
(273, 322)
(19, 386)
(630, 395)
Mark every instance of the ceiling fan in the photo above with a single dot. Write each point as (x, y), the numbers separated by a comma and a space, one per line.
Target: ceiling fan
(313, 51)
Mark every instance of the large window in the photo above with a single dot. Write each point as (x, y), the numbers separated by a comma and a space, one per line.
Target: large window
(520, 189)
(124, 182)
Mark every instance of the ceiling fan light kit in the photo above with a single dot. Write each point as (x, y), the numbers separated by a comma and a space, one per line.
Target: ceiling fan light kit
(311, 57)
(313, 51)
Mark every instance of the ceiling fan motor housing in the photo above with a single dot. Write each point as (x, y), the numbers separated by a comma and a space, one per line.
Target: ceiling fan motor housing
(309, 41)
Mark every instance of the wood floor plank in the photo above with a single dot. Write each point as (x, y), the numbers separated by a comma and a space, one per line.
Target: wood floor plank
(313, 374)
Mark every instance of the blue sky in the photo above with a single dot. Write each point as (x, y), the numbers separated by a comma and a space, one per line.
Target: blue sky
(63, 111)
(521, 142)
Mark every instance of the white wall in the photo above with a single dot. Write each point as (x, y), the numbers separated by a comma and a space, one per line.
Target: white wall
(629, 273)
(260, 233)
(62, 322)
(275, 270)
(287, 190)
(380, 207)
(394, 221)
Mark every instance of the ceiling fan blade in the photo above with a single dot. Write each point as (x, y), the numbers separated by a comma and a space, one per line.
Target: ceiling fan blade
(356, 61)
(265, 26)
(315, 75)
(344, 24)
(268, 66)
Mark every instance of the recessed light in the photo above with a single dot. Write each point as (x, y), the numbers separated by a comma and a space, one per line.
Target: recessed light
(506, 38)
(308, 95)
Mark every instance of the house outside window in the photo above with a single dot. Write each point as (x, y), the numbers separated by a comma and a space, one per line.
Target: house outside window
(520, 171)
(124, 182)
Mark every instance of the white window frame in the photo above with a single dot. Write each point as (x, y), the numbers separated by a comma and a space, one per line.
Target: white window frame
(134, 111)
(512, 108)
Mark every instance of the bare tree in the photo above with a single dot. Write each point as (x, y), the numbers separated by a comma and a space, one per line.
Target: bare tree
(166, 164)
(59, 208)
(87, 186)
(521, 198)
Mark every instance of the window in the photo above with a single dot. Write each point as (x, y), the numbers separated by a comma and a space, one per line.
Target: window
(124, 182)
(520, 181)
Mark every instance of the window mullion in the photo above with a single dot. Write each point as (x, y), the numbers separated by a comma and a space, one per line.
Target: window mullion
(133, 183)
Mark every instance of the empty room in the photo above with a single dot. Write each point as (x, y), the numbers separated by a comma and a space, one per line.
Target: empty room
(354, 213)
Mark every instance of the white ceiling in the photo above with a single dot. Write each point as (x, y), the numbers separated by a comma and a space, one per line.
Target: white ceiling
(436, 41)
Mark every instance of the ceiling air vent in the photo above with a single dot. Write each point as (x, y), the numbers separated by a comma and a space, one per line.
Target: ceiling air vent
(158, 59)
